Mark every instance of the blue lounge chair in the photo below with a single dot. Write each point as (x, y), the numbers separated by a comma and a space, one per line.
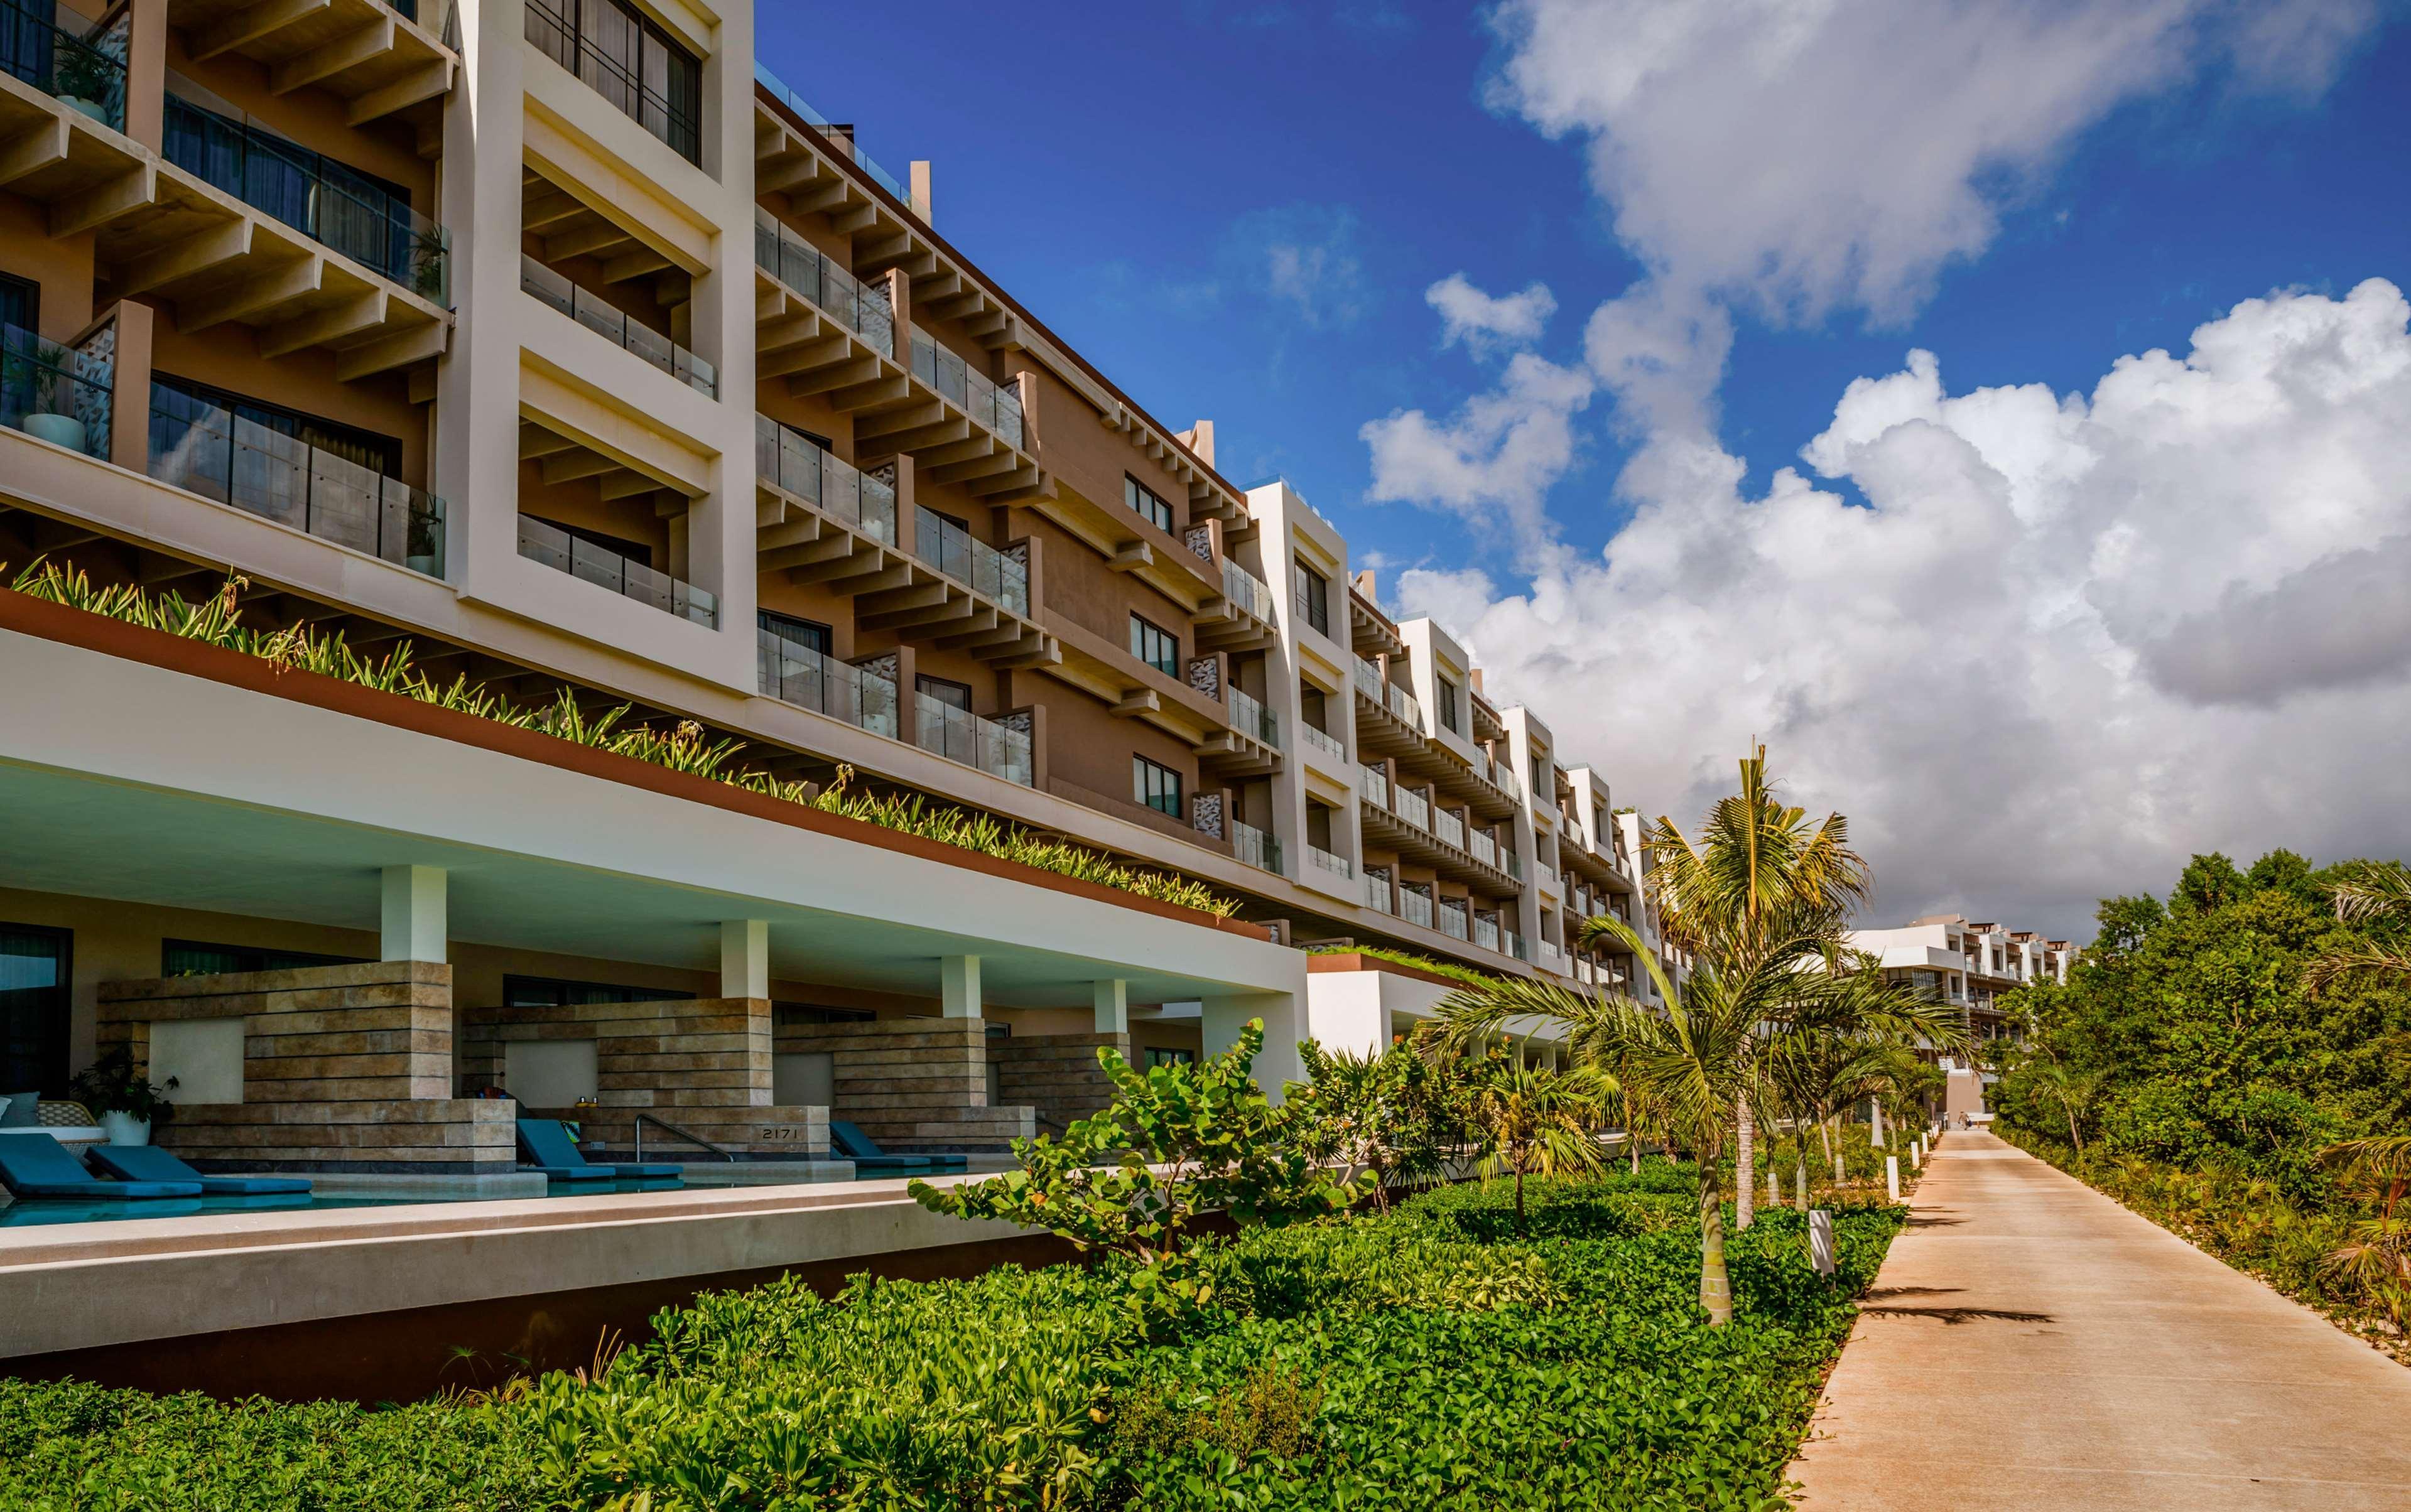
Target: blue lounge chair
(36, 1165)
(852, 1144)
(149, 1163)
(550, 1151)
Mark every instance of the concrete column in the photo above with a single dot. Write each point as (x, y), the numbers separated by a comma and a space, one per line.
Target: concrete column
(414, 914)
(1111, 999)
(745, 958)
(1277, 1064)
(958, 985)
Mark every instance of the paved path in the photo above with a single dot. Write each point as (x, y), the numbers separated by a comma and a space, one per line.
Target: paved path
(2031, 1344)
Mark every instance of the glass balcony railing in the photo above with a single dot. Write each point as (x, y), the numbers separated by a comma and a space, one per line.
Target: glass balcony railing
(1249, 716)
(343, 209)
(1412, 806)
(992, 405)
(1482, 848)
(1511, 943)
(795, 102)
(55, 393)
(1377, 891)
(1330, 744)
(1415, 907)
(657, 87)
(1450, 828)
(954, 551)
(1377, 787)
(220, 456)
(794, 463)
(1453, 921)
(556, 548)
(1368, 680)
(1485, 931)
(1245, 590)
(796, 674)
(1254, 846)
(83, 71)
(608, 322)
(1403, 705)
(1339, 866)
(959, 735)
(861, 307)
(1513, 863)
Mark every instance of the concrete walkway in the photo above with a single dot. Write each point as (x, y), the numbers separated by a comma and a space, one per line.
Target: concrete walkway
(2031, 1344)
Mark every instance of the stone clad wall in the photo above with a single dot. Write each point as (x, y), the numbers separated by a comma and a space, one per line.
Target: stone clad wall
(345, 1068)
(1056, 1074)
(912, 1083)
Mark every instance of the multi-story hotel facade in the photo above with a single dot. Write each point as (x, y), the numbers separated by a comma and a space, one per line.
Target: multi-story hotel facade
(1966, 964)
(564, 344)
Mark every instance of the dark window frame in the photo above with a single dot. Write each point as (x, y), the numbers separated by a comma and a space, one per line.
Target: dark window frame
(515, 993)
(1154, 1055)
(1311, 591)
(574, 34)
(1153, 785)
(1451, 718)
(1137, 495)
(31, 293)
(1143, 632)
(940, 687)
(49, 1059)
(265, 958)
(810, 633)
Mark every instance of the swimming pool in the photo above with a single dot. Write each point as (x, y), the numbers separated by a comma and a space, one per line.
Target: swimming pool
(37, 1212)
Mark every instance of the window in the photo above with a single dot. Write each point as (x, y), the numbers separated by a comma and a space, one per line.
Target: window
(558, 992)
(21, 303)
(1449, 717)
(954, 695)
(1156, 785)
(195, 958)
(1312, 591)
(809, 634)
(1145, 503)
(1168, 1055)
(1155, 646)
(33, 979)
(793, 1015)
(628, 60)
(177, 404)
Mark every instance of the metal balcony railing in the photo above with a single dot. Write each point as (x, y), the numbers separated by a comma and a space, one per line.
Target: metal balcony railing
(237, 461)
(794, 673)
(860, 308)
(84, 70)
(1251, 717)
(613, 325)
(960, 735)
(1336, 864)
(341, 208)
(56, 393)
(994, 406)
(1254, 846)
(1245, 590)
(954, 551)
(556, 548)
(1323, 741)
(795, 464)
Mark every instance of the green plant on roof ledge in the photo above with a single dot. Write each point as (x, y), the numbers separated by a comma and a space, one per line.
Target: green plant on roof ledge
(684, 747)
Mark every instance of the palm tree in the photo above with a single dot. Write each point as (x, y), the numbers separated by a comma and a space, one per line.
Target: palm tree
(1536, 1121)
(1762, 885)
(2370, 891)
(2377, 1175)
(2074, 1092)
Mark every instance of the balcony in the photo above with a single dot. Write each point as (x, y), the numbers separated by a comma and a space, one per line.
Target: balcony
(1405, 737)
(1377, 891)
(1323, 741)
(991, 406)
(606, 321)
(1339, 866)
(660, 90)
(860, 308)
(1483, 848)
(1512, 944)
(1485, 931)
(794, 464)
(1413, 807)
(1453, 921)
(1376, 786)
(960, 735)
(1254, 846)
(795, 102)
(337, 207)
(1449, 828)
(1249, 716)
(556, 548)
(84, 70)
(1415, 906)
(207, 451)
(796, 674)
(981, 567)
(1513, 863)
(55, 393)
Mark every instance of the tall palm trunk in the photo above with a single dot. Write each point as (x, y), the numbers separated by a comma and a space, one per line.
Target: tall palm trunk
(1744, 1165)
(1716, 1286)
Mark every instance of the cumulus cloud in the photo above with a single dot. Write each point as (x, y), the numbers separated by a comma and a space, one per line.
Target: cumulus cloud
(2065, 640)
(1488, 323)
(1498, 455)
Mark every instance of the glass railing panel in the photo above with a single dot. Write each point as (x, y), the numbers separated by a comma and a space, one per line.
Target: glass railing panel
(795, 102)
(1254, 846)
(56, 393)
(795, 464)
(1377, 786)
(1514, 863)
(994, 406)
(342, 210)
(861, 307)
(642, 99)
(960, 735)
(613, 325)
(82, 69)
(1450, 828)
(1485, 849)
(1453, 922)
(954, 551)
(1413, 807)
(556, 548)
(1514, 944)
(1404, 706)
(1414, 906)
(1486, 932)
(1336, 864)
(1323, 741)
(214, 454)
(1368, 680)
(1244, 588)
(1249, 716)
(1377, 891)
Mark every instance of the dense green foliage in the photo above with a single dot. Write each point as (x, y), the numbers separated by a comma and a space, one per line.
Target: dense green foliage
(1432, 963)
(2201, 1080)
(217, 621)
(1417, 1361)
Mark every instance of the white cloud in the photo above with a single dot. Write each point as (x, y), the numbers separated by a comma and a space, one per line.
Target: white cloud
(2068, 640)
(1488, 323)
(1500, 455)
(1810, 154)
(1304, 256)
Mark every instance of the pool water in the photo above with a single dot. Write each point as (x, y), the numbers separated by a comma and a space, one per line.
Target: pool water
(34, 1212)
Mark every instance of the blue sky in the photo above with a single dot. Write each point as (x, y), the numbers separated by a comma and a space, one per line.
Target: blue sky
(1124, 170)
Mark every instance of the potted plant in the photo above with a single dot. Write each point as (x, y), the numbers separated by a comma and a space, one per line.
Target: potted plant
(40, 392)
(86, 79)
(125, 1104)
(424, 549)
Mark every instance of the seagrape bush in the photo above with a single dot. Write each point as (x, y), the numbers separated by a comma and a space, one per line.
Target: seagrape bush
(1421, 1359)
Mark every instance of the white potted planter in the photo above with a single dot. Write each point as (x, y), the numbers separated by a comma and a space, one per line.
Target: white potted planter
(126, 1128)
(58, 429)
(91, 108)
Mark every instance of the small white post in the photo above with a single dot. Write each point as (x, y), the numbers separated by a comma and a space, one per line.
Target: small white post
(1111, 999)
(1891, 1177)
(958, 986)
(414, 914)
(1800, 1181)
(1839, 1177)
(1774, 1192)
(1820, 1242)
(1874, 1122)
(745, 958)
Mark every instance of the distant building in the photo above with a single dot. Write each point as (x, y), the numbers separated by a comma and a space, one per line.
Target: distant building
(1969, 965)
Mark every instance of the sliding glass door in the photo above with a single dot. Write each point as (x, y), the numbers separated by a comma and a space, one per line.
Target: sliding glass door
(34, 980)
